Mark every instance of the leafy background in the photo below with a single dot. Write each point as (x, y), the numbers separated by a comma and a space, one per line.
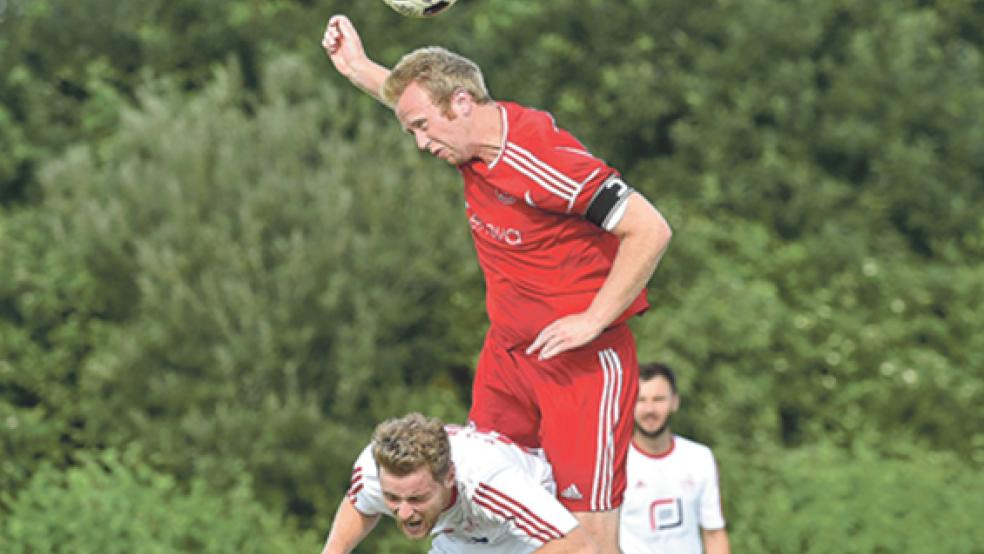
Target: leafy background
(220, 265)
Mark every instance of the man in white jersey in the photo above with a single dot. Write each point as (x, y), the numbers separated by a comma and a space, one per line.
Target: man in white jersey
(672, 499)
(473, 492)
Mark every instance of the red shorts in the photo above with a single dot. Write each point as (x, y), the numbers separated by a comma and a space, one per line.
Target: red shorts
(576, 406)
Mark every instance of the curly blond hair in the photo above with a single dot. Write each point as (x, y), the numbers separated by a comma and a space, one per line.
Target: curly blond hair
(440, 72)
(403, 445)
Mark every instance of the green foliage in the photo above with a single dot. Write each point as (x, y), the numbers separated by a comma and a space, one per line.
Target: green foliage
(263, 285)
(68, 66)
(817, 338)
(824, 500)
(117, 504)
(48, 322)
(228, 256)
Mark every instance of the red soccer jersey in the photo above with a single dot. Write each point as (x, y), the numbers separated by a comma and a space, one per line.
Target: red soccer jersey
(541, 258)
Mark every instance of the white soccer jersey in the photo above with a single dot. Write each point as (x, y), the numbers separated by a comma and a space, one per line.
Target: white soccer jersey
(669, 498)
(505, 501)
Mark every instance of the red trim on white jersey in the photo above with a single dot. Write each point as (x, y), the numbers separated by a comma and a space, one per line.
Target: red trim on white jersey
(508, 508)
(453, 500)
(490, 434)
(355, 485)
(648, 454)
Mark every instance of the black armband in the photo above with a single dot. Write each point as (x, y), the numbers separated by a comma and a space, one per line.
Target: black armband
(607, 206)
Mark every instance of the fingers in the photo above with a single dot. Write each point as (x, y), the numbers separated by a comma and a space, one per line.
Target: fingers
(554, 346)
(540, 340)
(567, 333)
(549, 343)
(336, 30)
(330, 41)
(343, 24)
(551, 349)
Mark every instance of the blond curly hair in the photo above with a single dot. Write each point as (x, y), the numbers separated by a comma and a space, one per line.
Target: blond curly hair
(403, 445)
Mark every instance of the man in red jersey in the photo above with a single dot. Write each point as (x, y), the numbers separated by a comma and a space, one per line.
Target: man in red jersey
(566, 247)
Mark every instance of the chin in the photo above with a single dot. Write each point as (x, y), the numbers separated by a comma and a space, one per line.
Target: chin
(652, 431)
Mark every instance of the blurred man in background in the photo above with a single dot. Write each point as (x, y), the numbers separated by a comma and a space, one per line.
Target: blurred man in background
(673, 501)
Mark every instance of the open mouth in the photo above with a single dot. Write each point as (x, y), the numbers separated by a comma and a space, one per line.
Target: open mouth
(414, 526)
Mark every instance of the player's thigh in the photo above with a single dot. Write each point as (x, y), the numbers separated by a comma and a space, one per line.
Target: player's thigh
(587, 421)
(502, 399)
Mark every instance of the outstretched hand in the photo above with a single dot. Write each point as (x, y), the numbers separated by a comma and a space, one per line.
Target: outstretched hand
(343, 45)
(566, 333)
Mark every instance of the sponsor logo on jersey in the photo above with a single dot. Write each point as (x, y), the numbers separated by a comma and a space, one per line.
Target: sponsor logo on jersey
(505, 198)
(665, 513)
(508, 235)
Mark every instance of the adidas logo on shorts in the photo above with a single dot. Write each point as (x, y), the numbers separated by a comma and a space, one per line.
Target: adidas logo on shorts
(571, 493)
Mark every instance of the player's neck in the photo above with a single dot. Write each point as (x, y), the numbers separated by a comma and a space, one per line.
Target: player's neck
(659, 445)
(451, 496)
(488, 132)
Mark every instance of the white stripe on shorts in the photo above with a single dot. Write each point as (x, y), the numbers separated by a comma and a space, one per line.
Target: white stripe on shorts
(608, 416)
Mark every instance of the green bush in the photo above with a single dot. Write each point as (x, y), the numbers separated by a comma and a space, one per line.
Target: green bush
(791, 342)
(114, 503)
(826, 500)
(262, 279)
(250, 265)
(49, 320)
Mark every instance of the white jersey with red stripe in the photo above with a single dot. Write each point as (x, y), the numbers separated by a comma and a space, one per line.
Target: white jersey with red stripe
(540, 216)
(669, 498)
(505, 499)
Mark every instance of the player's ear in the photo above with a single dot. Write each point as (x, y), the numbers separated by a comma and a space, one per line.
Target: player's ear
(675, 403)
(462, 101)
(449, 480)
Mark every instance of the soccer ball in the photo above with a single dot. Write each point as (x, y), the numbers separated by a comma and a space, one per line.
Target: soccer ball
(419, 8)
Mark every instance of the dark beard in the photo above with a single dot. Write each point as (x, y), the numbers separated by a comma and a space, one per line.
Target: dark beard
(657, 432)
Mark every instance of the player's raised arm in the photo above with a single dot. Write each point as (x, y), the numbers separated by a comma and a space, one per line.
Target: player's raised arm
(348, 530)
(344, 48)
